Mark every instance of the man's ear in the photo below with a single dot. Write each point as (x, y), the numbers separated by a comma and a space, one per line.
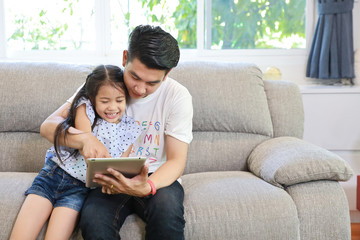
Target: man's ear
(124, 57)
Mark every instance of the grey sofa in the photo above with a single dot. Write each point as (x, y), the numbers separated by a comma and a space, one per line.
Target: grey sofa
(248, 175)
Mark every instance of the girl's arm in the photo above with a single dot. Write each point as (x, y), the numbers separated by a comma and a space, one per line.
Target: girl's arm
(74, 139)
(88, 145)
(82, 122)
(127, 152)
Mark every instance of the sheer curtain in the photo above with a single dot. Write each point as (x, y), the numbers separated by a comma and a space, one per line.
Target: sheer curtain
(332, 51)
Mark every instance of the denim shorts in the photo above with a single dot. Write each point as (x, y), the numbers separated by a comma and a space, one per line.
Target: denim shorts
(56, 185)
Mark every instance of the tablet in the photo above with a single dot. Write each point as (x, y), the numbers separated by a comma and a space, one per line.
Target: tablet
(128, 166)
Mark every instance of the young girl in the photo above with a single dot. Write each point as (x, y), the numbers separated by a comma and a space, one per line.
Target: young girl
(59, 189)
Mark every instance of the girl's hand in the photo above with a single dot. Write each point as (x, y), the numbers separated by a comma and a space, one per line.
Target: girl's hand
(93, 148)
(136, 186)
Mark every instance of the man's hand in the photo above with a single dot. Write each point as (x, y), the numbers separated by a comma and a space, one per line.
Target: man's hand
(136, 186)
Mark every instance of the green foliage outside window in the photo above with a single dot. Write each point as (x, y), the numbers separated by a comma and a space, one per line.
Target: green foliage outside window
(239, 24)
(36, 32)
(184, 18)
(40, 32)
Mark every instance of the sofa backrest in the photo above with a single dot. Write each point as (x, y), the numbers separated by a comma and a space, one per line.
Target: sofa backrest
(234, 110)
(30, 92)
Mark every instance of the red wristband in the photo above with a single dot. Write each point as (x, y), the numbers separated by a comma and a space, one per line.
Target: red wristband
(153, 189)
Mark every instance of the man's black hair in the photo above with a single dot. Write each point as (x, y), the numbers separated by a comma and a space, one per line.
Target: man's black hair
(154, 47)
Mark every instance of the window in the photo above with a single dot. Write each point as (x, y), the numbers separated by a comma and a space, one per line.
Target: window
(126, 15)
(232, 24)
(97, 30)
(255, 24)
(49, 25)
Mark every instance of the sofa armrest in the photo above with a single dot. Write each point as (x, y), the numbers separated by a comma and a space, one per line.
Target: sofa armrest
(285, 161)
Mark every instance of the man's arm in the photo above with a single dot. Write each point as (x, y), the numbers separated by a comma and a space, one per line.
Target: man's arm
(173, 168)
(48, 127)
(88, 145)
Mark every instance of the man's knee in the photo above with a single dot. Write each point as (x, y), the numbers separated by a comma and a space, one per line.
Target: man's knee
(165, 220)
(87, 219)
(94, 217)
(167, 206)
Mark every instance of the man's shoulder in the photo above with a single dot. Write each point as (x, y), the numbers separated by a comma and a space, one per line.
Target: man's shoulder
(176, 87)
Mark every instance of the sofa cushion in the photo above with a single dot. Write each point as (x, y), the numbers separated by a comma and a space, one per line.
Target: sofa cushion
(227, 97)
(30, 92)
(12, 191)
(237, 205)
(285, 161)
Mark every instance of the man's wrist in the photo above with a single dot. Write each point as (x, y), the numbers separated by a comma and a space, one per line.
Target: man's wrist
(152, 189)
(80, 139)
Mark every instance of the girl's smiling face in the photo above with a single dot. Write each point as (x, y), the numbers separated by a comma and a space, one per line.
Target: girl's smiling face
(110, 103)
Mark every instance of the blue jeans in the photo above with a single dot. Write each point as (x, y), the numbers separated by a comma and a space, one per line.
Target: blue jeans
(103, 215)
(56, 185)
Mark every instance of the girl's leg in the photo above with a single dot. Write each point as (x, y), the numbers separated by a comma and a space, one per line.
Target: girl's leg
(62, 223)
(31, 218)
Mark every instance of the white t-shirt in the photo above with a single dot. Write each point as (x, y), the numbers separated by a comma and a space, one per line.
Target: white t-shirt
(168, 111)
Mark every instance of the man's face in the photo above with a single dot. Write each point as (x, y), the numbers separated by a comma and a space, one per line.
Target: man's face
(140, 80)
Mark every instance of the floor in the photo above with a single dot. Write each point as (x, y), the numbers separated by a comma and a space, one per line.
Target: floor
(355, 231)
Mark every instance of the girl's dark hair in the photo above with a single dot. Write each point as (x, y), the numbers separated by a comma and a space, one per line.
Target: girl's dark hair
(101, 75)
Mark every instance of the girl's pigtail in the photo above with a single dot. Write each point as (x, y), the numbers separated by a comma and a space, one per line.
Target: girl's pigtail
(63, 127)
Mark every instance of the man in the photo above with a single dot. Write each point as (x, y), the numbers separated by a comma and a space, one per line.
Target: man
(163, 108)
